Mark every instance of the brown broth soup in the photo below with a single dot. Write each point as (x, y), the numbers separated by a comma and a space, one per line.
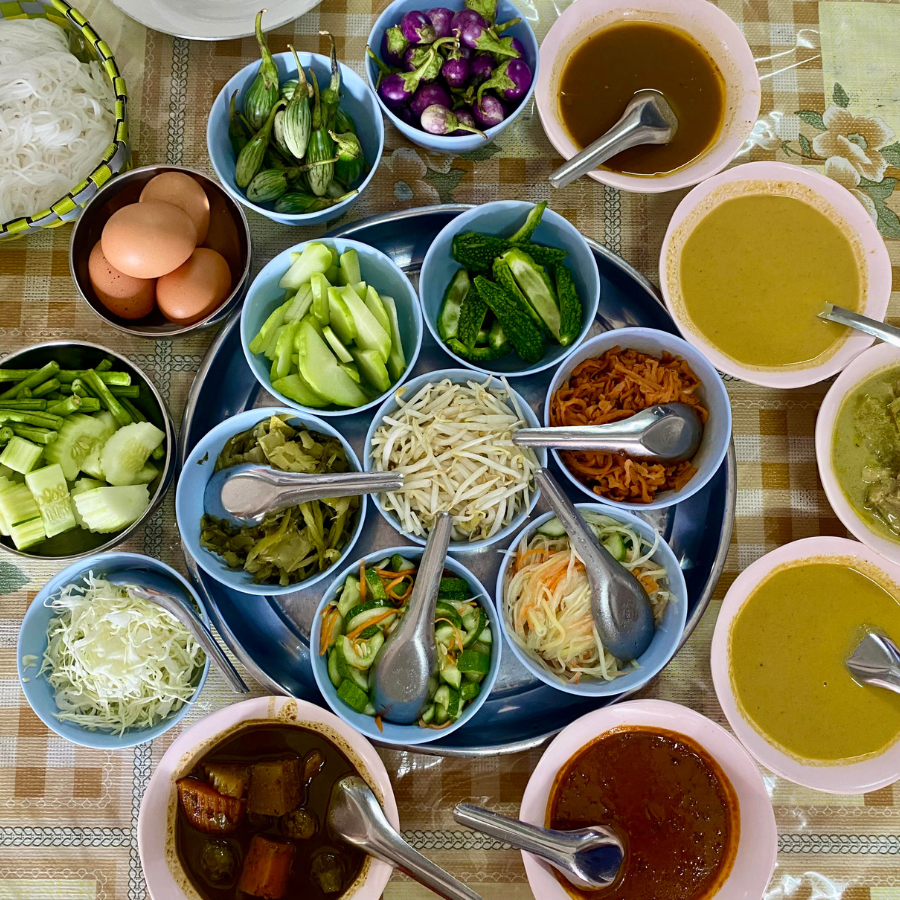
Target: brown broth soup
(260, 832)
(609, 67)
(670, 799)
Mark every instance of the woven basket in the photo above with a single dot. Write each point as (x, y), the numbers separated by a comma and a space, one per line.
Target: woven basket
(118, 154)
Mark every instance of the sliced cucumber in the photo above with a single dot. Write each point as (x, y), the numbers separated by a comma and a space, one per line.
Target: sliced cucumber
(376, 307)
(349, 262)
(349, 596)
(91, 465)
(552, 528)
(401, 564)
(451, 675)
(445, 611)
(296, 387)
(109, 509)
(21, 455)
(364, 618)
(333, 674)
(360, 654)
(615, 544)
(319, 286)
(444, 634)
(471, 660)
(354, 696)
(76, 439)
(374, 586)
(469, 691)
(396, 361)
(428, 715)
(127, 451)
(51, 494)
(337, 346)
(474, 624)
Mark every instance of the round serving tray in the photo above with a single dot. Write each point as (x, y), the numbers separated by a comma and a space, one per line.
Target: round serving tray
(270, 635)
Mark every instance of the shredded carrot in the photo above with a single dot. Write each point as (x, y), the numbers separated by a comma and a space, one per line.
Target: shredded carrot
(362, 581)
(615, 386)
(378, 723)
(390, 573)
(331, 620)
(458, 635)
(373, 621)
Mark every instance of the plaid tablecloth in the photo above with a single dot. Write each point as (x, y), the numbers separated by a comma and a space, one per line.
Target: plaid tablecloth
(831, 99)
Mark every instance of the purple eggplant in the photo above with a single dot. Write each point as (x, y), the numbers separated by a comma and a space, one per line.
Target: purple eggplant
(428, 95)
(488, 111)
(487, 9)
(474, 31)
(518, 46)
(482, 67)
(511, 80)
(417, 27)
(405, 114)
(397, 89)
(417, 56)
(456, 71)
(383, 68)
(440, 17)
(465, 118)
(393, 46)
(440, 120)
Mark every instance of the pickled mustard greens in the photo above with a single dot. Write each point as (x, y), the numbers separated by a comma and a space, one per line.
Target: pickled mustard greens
(292, 544)
(752, 278)
(59, 423)
(866, 451)
(369, 609)
(787, 650)
(115, 661)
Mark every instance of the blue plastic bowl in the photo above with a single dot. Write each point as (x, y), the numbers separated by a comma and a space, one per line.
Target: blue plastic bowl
(356, 98)
(502, 218)
(716, 432)
(444, 143)
(457, 376)
(33, 642)
(377, 269)
(196, 472)
(400, 734)
(665, 640)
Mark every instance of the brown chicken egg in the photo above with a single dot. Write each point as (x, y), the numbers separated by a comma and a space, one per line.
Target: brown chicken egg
(122, 295)
(147, 240)
(179, 189)
(195, 289)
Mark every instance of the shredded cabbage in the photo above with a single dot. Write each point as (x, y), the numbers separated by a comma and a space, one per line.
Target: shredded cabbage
(453, 442)
(57, 116)
(547, 601)
(115, 661)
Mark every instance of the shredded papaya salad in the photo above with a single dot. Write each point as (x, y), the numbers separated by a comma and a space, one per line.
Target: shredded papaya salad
(547, 598)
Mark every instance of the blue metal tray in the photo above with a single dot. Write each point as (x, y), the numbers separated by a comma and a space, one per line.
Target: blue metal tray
(270, 634)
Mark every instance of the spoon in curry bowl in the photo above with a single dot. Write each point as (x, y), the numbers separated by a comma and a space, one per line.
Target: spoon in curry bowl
(876, 660)
(840, 316)
(648, 119)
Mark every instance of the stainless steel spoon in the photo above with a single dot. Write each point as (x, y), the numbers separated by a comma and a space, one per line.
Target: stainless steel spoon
(619, 604)
(589, 857)
(156, 589)
(356, 818)
(246, 494)
(405, 670)
(841, 316)
(671, 431)
(648, 119)
(876, 660)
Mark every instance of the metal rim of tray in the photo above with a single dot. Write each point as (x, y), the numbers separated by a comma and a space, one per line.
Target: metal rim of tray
(517, 746)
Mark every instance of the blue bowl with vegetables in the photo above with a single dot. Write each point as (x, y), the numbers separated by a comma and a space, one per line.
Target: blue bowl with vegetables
(94, 627)
(296, 544)
(504, 65)
(359, 108)
(543, 602)
(354, 619)
(331, 327)
(543, 285)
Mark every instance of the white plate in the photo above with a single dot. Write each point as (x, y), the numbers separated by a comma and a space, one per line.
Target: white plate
(212, 20)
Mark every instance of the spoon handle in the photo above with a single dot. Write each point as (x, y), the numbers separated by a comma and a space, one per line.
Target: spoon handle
(295, 488)
(622, 136)
(887, 333)
(431, 567)
(581, 537)
(582, 437)
(196, 626)
(387, 845)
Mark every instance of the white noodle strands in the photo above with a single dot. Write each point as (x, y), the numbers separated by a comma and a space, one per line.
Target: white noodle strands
(57, 117)
(547, 601)
(453, 442)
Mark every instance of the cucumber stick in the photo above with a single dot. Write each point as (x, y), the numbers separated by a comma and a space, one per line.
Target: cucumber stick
(91, 465)
(20, 455)
(125, 454)
(51, 494)
(108, 509)
(21, 516)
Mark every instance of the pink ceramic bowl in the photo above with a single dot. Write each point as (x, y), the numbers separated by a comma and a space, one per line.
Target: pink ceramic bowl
(709, 26)
(758, 841)
(839, 778)
(864, 367)
(846, 208)
(165, 878)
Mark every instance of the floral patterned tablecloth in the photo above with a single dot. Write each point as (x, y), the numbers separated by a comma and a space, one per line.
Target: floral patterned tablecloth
(831, 99)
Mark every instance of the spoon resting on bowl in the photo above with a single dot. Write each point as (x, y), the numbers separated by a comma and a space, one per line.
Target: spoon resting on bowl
(876, 660)
(648, 119)
(887, 333)
(620, 606)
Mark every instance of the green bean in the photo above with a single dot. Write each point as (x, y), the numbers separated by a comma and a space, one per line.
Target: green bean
(55, 395)
(25, 417)
(24, 404)
(39, 376)
(80, 388)
(96, 384)
(37, 435)
(43, 389)
(104, 365)
(67, 376)
(25, 394)
(5, 434)
(90, 405)
(15, 374)
(131, 390)
(66, 407)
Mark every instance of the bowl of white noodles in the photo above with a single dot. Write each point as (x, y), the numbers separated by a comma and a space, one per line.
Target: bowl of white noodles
(62, 104)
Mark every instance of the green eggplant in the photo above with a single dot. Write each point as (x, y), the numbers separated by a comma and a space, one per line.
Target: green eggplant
(350, 160)
(343, 121)
(320, 147)
(297, 117)
(270, 184)
(288, 87)
(331, 96)
(250, 159)
(264, 92)
(237, 134)
(303, 202)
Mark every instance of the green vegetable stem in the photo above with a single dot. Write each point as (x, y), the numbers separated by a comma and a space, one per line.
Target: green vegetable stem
(264, 92)
(321, 147)
(237, 133)
(331, 96)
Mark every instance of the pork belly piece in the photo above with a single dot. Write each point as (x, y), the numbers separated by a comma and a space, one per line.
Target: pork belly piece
(207, 809)
(276, 787)
(267, 868)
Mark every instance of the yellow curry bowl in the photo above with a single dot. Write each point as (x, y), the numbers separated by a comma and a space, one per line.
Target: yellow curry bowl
(87, 45)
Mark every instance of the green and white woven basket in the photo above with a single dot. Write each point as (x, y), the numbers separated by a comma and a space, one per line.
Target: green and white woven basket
(118, 154)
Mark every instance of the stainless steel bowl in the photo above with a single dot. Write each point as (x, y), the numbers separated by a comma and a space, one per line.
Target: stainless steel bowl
(78, 543)
(229, 234)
